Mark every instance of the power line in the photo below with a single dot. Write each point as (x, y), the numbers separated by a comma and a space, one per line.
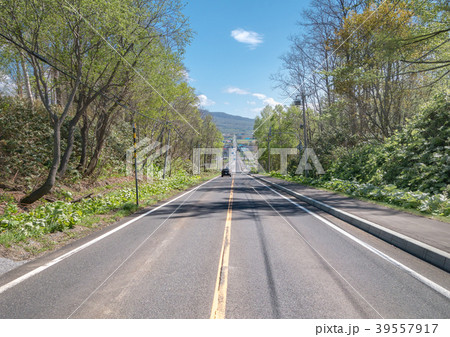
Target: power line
(115, 99)
(128, 63)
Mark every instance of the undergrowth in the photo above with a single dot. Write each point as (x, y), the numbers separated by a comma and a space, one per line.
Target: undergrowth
(427, 203)
(61, 215)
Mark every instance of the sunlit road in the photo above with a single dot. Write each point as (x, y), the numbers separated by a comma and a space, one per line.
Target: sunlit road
(231, 248)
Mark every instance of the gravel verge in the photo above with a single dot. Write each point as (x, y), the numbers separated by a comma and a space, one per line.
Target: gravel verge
(6, 265)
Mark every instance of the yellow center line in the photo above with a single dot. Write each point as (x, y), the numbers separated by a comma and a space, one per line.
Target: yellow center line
(220, 293)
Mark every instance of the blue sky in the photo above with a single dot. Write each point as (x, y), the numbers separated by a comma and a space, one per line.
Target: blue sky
(236, 48)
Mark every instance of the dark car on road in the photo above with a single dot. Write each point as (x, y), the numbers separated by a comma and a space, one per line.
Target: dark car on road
(226, 172)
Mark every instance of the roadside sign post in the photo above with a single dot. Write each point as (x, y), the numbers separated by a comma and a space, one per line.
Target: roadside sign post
(135, 165)
(165, 158)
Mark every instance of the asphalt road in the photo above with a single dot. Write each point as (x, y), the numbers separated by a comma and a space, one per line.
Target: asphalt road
(231, 248)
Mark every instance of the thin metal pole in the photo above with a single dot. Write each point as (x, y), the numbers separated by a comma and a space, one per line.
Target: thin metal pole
(268, 145)
(135, 165)
(304, 128)
(165, 158)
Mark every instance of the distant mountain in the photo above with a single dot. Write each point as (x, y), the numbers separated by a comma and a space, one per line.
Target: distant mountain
(231, 124)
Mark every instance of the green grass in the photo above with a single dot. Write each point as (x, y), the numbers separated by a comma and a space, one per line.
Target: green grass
(38, 224)
(419, 203)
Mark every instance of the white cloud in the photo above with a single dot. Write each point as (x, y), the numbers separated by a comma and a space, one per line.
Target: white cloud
(270, 101)
(234, 90)
(266, 100)
(253, 39)
(205, 101)
(260, 96)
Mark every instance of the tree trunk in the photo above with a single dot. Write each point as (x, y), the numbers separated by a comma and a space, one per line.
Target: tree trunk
(58, 91)
(70, 140)
(84, 142)
(26, 78)
(51, 178)
(19, 82)
(41, 84)
(100, 135)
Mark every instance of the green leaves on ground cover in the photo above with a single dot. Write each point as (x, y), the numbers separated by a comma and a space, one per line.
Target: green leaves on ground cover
(437, 204)
(59, 215)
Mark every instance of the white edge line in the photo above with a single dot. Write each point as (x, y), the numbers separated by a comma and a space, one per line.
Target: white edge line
(76, 250)
(441, 290)
(320, 255)
(370, 223)
(134, 251)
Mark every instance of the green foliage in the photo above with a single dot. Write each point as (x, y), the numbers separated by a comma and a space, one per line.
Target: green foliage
(372, 116)
(410, 169)
(23, 131)
(285, 130)
(95, 42)
(437, 204)
(416, 158)
(61, 215)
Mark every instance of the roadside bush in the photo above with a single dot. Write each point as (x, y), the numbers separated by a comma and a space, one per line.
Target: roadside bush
(435, 204)
(416, 158)
(60, 215)
(22, 131)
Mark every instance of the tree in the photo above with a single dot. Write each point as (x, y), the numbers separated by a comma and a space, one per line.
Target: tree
(80, 51)
(369, 75)
(29, 25)
(430, 34)
(307, 66)
(149, 32)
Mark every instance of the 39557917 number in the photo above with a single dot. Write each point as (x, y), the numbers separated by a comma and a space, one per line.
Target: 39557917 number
(406, 328)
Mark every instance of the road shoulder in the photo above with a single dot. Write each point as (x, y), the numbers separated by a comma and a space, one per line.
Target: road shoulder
(425, 238)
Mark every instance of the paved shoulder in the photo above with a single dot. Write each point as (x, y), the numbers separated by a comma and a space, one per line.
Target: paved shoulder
(431, 232)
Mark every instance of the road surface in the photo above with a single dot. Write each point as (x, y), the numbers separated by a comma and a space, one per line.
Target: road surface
(231, 248)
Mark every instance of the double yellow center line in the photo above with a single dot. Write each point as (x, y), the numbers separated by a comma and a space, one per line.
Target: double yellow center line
(220, 293)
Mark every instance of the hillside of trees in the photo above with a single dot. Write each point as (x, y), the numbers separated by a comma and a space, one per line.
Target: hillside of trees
(231, 124)
(373, 78)
(77, 75)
